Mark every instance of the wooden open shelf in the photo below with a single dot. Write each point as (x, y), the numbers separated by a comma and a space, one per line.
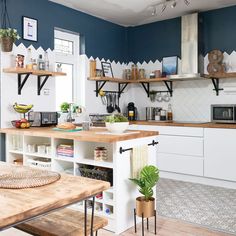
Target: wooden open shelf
(221, 75)
(42, 76)
(33, 72)
(119, 80)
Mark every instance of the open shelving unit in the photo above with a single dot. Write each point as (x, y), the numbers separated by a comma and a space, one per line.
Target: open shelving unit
(17, 148)
(23, 75)
(122, 83)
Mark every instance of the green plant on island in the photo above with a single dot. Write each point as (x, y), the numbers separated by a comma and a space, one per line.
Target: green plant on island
(65, 106)
(114, 118)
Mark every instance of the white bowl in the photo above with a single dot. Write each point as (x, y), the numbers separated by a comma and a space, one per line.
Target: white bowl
(117, 127)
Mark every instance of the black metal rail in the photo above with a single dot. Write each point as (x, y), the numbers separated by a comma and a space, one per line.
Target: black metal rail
(129, 149)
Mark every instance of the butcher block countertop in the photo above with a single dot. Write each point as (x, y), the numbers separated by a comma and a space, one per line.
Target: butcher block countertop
(186, 124)
(23, 204)
(93, 135)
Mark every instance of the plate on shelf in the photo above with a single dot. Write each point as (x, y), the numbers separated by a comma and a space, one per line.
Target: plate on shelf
(68, 130)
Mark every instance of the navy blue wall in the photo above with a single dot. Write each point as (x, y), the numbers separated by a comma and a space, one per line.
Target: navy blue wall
(157, 40)
(110, 41)
(102, 39)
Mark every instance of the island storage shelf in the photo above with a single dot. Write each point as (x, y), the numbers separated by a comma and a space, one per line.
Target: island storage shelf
(73, 156)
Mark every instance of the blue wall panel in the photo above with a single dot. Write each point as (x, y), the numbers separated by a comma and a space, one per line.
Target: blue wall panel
(103, 39)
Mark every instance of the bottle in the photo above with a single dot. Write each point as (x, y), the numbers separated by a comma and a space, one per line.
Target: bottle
(169, 113)
(41, 63)
(29, 61)
(46, 61)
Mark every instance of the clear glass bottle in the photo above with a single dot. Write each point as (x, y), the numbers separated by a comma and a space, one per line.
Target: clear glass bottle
(169, 113)
(134, 72)
(41, 63)
(46, 61)
(29, 61)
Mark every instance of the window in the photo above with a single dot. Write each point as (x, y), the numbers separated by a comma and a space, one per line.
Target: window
(66, 47)
(63, 46)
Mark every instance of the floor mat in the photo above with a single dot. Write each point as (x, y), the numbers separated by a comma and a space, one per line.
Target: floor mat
(208, 206)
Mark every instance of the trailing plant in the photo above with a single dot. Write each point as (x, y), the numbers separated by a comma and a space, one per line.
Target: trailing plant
(9, 32)
(148, 178)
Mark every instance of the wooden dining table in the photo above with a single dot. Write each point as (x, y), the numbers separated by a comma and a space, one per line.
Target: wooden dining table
(21, 205)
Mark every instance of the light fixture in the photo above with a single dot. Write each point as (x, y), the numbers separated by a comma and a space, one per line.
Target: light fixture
(165, 3)
(173, 5)
(163, 8)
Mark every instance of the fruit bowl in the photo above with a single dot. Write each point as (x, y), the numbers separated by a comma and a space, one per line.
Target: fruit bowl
(22, 108)
(21, 124)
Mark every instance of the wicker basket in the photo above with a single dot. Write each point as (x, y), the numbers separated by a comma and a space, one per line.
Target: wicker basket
(6, 44)
(104, 174)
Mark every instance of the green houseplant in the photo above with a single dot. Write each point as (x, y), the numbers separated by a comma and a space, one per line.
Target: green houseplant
(7, 38)
(65, 106)
(116, 123)
(148, 178)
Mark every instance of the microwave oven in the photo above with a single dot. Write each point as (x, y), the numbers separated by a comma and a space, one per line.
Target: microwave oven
(223, 113)
(42, 119)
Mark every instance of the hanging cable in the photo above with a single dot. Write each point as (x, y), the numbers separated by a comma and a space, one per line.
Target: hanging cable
(5, 16)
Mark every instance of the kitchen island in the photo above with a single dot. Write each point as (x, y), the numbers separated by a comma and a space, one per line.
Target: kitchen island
(116, 203)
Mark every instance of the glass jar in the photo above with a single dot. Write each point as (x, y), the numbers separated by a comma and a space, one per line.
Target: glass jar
(134, 72)
(142, 74)
(127, 74)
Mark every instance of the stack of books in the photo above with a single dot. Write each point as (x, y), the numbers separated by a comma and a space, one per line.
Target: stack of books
(65, 150)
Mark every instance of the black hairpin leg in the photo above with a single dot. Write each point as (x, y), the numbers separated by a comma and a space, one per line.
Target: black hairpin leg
(92, 217)
(142, 225)
(155, 219)
(96, 233)
(85, 217)
(147, 224)
(135, 227)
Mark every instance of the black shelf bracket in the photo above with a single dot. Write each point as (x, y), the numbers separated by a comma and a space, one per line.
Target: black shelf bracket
(121, 88)
(22, 81)
(146, 87)
(121, 150)
(216, 85)
(41, 82)
(99, 86)
(169, 86)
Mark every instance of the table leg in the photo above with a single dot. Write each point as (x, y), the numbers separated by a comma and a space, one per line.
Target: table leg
(147, 224)
(92, 217)
(85, 217)
(155, 212)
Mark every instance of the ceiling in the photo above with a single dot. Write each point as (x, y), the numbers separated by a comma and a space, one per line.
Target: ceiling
(138, 12)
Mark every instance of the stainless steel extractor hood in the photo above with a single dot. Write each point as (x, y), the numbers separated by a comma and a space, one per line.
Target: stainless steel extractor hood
(192, 60)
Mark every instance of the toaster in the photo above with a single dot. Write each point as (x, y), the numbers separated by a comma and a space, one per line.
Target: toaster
(43, 118)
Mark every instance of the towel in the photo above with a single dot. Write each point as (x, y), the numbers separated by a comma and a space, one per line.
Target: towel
(139, 159)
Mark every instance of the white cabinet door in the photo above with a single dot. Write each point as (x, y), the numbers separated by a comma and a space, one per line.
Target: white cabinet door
(220, 154)
(182, 145)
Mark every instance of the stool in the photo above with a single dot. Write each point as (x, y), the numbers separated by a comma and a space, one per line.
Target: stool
(155, 222)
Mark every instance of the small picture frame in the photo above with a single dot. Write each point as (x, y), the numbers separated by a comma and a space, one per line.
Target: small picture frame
(169, 65)
(30, 28)
(107, 69)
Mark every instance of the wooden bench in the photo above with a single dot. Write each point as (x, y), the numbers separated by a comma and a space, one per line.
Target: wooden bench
(65, 222)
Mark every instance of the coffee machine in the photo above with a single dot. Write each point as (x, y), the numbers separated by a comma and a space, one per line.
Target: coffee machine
(132, 112)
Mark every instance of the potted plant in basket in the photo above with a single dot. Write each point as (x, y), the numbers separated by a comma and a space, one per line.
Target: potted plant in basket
(116, 123)
(148, 179)
(7, 38)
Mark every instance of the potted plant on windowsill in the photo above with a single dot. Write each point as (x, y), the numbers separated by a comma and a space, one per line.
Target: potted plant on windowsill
(148, 178)
(117, 123)
(7, 38)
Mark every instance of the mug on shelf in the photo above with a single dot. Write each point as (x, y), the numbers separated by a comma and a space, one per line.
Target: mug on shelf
(41, 149)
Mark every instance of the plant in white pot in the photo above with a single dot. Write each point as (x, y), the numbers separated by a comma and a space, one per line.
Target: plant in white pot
(7, 38)
(116, 123)
(148, 178)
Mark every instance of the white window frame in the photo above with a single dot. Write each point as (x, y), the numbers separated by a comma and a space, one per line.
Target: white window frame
(70, 59)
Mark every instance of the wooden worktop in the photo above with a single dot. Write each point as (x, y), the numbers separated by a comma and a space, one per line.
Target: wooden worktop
(93, 135)
(22, 204)
(180, 124)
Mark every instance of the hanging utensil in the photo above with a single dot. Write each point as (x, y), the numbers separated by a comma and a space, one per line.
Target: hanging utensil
(110, 108)
(117, 104)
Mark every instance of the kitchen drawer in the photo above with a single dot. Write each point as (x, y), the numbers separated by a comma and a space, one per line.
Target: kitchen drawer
(172, 130)
(188, 146)
(180, 164)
